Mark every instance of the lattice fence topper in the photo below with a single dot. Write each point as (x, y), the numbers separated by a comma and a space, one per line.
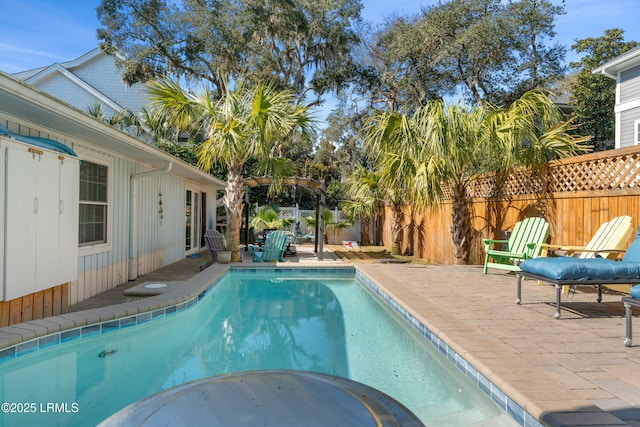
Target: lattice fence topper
(287, 212)
(296, 213)
(607, 170)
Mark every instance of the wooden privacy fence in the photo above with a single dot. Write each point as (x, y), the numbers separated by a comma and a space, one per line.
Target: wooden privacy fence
(575, 195)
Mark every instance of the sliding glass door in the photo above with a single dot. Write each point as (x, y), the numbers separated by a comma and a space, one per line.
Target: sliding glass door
(193, 221)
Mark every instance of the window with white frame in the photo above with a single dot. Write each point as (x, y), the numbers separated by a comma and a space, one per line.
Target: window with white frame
(94, 203)
(637, 132)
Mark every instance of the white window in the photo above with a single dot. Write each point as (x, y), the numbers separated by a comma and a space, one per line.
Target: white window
(95, 203)
(637, 132)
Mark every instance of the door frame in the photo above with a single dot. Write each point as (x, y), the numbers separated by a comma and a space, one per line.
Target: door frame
(193, 222)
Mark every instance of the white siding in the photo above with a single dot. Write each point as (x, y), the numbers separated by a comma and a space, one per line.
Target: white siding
(160, 241)
(102, 271)
(630, 85)
(627, 126)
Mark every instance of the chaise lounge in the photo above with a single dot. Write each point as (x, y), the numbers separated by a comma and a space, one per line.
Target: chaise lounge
(571, 271)
(611, 235)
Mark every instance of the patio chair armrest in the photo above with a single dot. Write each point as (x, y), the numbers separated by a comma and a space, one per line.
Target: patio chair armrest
(255, 248)
(598, 253)
(550, 246)
(531, 248)
(488, 242)
(532, 245)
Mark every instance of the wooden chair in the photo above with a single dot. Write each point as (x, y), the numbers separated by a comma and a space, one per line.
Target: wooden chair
(215, 242)
(273, 248)
(612, 235)
(258, 237)
(524, 243)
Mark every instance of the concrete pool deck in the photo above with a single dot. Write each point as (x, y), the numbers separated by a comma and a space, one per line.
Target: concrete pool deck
(574, 371)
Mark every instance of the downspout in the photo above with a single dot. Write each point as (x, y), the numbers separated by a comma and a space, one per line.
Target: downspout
(133, 215)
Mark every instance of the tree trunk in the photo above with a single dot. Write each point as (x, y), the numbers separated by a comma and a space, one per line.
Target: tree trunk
(233, 202)
(365, 224)
(396, 228)
(461, 225)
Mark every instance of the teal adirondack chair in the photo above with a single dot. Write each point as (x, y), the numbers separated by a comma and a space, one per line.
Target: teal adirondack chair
(524, 243)
(273, 248)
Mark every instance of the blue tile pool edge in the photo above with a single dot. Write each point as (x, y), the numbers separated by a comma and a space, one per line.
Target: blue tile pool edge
(111, 325)
(501, 399)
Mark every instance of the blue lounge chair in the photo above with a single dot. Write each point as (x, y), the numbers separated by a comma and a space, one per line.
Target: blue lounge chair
(273, 249)
(572, 271)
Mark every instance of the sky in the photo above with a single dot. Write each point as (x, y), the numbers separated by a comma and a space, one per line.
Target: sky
(36, 33)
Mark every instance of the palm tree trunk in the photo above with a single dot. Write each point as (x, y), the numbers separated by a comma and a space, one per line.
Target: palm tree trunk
(396, 228)
(461, 225)
(365, 224)
(233, 202)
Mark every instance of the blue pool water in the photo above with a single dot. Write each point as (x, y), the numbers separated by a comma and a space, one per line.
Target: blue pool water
(332, 325)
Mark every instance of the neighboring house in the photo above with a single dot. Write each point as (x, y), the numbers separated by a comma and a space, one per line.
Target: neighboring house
(94, 77)
(86, 207)
(625, 69)
(561, 98)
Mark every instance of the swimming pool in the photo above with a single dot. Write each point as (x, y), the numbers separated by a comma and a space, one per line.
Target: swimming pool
(324, 322)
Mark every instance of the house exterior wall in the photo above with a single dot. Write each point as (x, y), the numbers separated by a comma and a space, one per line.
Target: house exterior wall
(627, 126)
(627, 110)
(102, 73)
(62, 88)
(160, 238)
(630, 85)
(98, 72)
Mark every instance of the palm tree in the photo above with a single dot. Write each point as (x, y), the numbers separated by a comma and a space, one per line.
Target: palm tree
(123, 119)
(268, 218)
(247, 122)
(443, 148)
(361, 187)
(310, 222)
(389, 139)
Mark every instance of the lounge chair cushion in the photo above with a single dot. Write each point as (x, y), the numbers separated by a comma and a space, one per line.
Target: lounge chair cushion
(635, 291)
(569, 268)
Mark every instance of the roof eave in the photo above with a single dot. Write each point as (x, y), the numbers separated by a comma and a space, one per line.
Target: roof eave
(24, 102)
(623, 62)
